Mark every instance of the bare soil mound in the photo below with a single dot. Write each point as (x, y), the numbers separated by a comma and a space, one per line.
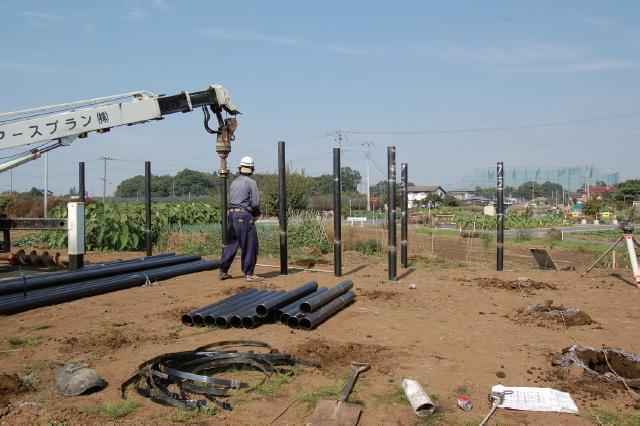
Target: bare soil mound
(10, 387)
(176, 313)
(337, 356)
(547, 313)
(379, 294)
(525, 285)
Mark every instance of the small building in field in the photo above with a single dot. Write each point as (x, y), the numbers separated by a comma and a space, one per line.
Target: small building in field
(415, 194)
(461, 194)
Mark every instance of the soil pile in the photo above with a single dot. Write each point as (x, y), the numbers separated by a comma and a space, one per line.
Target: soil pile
(337, 356)
(10, 387)
(525, 285)
(548, 313)
(611, 365)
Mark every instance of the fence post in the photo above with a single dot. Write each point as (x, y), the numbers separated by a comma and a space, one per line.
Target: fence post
(147, 206)
(404, 220)
(391, 211)
(337, 214)
(500, 217)
(282, 208)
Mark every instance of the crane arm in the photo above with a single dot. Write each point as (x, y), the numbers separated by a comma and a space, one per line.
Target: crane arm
(63, 123)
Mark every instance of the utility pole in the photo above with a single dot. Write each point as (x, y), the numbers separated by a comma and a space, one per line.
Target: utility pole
(11, 183)
(367, 155)
(339, 137)
(104, 177)
(46, 182)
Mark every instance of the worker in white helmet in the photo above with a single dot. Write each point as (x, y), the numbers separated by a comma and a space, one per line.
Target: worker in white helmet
(244, 210)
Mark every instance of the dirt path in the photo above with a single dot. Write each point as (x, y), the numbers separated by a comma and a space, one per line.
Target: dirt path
(455, 333)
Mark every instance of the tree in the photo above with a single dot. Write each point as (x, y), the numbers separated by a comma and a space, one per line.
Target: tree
(592, 207)
(298, 192)
(186, 182)
(350, 179)
(450, 201)
(628, 190)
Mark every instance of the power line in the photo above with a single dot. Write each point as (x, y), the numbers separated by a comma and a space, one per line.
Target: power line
(496, 129)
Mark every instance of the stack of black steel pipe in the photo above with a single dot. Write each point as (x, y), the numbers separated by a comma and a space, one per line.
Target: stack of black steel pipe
(304, 307)
(26, 293)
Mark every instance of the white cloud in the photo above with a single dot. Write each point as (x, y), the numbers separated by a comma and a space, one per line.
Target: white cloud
(586, 66)
(249, 35)
(520, 53)
(600, 22)
(246, 35)
(26, 66)
(41, 19)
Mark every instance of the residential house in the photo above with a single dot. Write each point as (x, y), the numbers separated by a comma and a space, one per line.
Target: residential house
(415, 194)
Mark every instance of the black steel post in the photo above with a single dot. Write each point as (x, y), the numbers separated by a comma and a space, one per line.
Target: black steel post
(404, 219)
(282, 210)
(500, 217)
(337, 214)
(147, 206)
(81, 189)
(76, 261)
(223, 209)
(391, 211)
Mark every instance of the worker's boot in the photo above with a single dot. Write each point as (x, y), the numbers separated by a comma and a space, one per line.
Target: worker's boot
(223, 275)
(253, 278)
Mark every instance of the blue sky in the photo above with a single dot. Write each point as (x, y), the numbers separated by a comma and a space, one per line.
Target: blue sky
(453, 85)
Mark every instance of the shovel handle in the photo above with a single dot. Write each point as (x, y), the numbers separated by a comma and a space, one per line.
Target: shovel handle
(360, 367)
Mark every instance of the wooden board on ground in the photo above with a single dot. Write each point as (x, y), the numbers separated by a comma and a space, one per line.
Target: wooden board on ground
(543, 259)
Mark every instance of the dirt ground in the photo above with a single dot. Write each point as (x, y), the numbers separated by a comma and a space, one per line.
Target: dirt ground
(457, 333)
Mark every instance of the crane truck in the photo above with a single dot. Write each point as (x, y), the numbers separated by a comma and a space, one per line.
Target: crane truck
(47, 128)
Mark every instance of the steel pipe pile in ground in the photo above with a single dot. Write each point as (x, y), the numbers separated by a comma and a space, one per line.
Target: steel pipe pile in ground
(311, 321)
(20, 285)
(310, 305)
(263, 309)
(14, 303)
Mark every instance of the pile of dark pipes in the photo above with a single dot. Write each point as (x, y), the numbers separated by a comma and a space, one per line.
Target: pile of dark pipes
(34, 291)
(177, 378)
(34, 259)
(304, 307)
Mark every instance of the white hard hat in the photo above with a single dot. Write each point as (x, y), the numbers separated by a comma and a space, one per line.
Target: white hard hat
(247, 161)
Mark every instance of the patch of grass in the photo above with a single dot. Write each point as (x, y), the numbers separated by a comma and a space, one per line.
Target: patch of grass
(618, 418)
(272, 385)
(396, 397)
(310, 399)
(183, 416)
(437, 418)
(114, 410)
(523, 235)
(23, 342)
(38, 327)
(368, 247)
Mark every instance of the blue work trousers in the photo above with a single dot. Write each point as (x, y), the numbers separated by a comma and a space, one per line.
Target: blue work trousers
(241, 235)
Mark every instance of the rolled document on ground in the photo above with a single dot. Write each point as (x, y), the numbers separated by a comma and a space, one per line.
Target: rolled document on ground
(418, 398)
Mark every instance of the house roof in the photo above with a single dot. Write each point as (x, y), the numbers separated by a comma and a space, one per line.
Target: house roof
(423, 188)
(602, 189)
(461, 190)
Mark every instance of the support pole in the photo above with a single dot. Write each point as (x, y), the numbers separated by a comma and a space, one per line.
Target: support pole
(282, 210)
(404, 219)
(391, 211)
(147, 206)
(223, 209)
(337, 215)
(76, 261)
(500, 216)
